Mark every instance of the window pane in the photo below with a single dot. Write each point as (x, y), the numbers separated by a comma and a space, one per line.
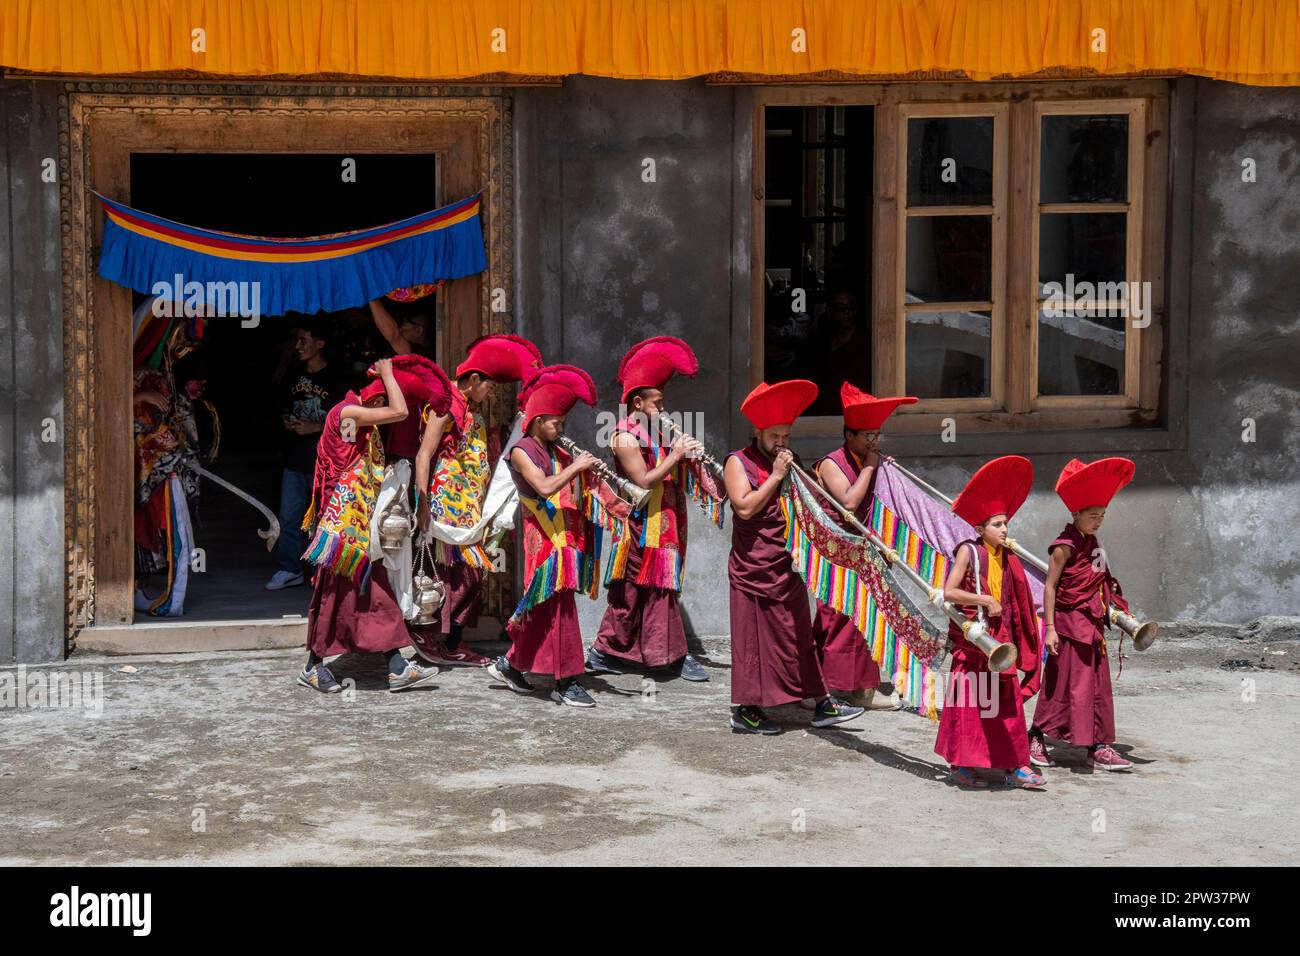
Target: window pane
(950, 161)
(948, 354)
(1084, 159)
(1080, 354)
(949, 258)
(1088, 246)
(818, 181)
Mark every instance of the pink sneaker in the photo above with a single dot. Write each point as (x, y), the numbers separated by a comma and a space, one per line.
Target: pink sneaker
(1038, 755)
(426, 645)
(460, 657)
(1107, 758)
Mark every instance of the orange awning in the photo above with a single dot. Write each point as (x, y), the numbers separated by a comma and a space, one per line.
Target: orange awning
(1246, 41)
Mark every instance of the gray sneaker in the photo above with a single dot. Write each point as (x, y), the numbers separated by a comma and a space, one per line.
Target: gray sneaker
(571, 693)
(688, 668)
(416, 674)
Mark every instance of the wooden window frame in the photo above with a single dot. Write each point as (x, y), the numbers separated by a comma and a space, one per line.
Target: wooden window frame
(1020, 409)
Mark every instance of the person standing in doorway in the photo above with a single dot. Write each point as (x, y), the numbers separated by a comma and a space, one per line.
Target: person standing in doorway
(311, 392)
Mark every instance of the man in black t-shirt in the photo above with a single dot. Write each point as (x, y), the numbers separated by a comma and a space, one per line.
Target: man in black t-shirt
(311, 391)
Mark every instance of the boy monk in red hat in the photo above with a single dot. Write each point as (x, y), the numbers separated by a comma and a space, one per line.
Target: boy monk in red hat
(1076, 704)
(560, 543)
(983, 712)
(642, 625)
(452, 471)
(773, 655)
(849, 474)
(353, 608)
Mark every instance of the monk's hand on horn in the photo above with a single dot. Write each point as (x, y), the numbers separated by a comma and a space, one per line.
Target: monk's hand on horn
(784, 459)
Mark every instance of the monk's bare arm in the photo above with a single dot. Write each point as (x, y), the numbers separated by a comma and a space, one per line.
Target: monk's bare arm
(850, 496)
(387, 327)
(953, 591)
(628, 453)
(1055, 565)
(747, 502)
(424, 464)
(547, 485)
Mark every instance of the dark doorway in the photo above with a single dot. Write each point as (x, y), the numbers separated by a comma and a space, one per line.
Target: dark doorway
(245, 369)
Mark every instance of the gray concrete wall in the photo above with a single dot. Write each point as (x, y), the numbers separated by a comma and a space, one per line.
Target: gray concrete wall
(1203, 533)
(31, 379)
(606, 259)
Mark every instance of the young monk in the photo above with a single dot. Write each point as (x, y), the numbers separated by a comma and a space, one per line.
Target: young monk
(773, 656)
(642, 625)
(849, 474)
(1076, 704)
(560, 543)
(453, 468)
(353, 608)
(983, 712)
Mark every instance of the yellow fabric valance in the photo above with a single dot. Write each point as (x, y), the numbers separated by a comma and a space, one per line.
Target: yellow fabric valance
(1245, 41)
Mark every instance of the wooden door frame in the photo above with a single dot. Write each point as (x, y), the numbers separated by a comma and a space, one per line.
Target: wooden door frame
(101, 125)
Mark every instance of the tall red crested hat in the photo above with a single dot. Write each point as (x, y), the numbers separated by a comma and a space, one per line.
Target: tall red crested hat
(502, 358)
(553, 390)
(1092, 485)
(422, 382)
(650, 364)
(1000, 487)
(770, 405)
(865, 412)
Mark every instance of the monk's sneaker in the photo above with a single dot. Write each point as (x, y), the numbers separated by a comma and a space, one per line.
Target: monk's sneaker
(831, 710)
(1107, 758)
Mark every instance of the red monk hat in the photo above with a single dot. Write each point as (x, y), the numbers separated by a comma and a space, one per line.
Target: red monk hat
(501, 357)
(554, 390)
(1000, 487)
(770, 405)
(650, 364)
(1092, 485)
(864, 412)
(422, 383)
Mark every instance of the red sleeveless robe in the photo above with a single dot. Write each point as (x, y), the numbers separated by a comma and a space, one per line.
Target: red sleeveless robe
(773, 655)
(845, 654)
(983, 719)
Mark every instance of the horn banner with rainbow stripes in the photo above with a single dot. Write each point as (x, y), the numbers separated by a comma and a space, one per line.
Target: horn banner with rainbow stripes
(848, 572)
(307, 275)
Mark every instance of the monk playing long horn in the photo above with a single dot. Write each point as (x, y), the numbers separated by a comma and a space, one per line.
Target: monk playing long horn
(561, 544)
(773, 655)
(643, 624)
(452, 471)
(1076, 704)
(983, 712)
(849, 474)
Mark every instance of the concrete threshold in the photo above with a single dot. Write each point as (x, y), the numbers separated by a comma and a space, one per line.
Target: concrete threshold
(180, 637)
(203, 637)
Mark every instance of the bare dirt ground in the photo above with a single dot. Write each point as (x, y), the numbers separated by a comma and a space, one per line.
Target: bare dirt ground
(222, 760)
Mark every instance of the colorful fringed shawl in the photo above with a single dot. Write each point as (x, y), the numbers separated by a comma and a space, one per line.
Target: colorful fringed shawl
(660, 532)
(459, 484)
(346, 486)
(1002, 575)
(561, 542)
(847, 572)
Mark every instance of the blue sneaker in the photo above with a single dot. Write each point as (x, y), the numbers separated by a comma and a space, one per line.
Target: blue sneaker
(1026, 778)
(318, 677)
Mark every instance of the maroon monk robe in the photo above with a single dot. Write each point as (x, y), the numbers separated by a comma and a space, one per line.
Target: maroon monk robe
(342, 619)
(983, 719)
(1076, 704)
(642, 623)
(844, 651)
(773, 655)
(548, 640)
